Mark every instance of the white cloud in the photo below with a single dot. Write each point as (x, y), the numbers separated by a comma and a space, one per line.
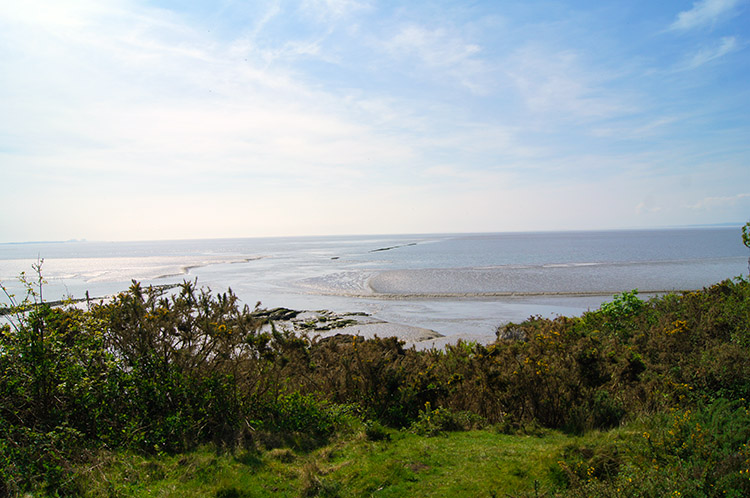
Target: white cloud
(636, 130)
(119, 105)
(443, 50)
(708, 203)
(557, 81)
(726, 45)
(109, 104)
(647, 208)
(703, 13)
(270, 13)
(326, 10)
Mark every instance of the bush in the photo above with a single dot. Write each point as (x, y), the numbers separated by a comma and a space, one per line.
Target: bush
(692, 452)
(433, 422)
(621, 309)
(298, 413)
(601, 411)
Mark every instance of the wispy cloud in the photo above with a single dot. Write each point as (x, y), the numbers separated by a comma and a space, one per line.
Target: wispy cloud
(557, 81)
(333, 9)
(725, 46)
(648, 208)
(443, 50)
(264, 19)
(708, 203)
(191, 105)
(703, 13)
(347, 116)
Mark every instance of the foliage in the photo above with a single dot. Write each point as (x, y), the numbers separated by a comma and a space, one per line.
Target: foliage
(621, 309)
(433, 422)
(145, 371)
(685, 452)
(164, 373)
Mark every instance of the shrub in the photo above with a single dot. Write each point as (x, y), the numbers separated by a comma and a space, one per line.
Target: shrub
(710, 444)
(621, 309)
(432, 422)
(298, 413)
(584, 465)
(600, 411)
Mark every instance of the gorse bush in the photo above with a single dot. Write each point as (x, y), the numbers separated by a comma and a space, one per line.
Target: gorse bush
(156, 371)
(145, 371)
(701, 451)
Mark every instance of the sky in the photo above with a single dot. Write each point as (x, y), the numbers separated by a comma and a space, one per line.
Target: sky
(142, 120)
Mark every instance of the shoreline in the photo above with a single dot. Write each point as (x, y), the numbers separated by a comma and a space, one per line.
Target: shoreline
(321, 324)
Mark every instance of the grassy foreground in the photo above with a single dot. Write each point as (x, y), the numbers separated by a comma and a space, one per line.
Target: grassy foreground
(621, 462)
(473, 464)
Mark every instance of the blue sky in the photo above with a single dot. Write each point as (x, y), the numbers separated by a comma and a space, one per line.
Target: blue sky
(129, 119)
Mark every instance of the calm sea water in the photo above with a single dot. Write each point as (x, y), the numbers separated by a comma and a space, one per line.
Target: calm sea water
(458, 285)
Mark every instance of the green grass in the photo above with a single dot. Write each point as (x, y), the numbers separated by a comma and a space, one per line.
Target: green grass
(197, 474)
(475, 463)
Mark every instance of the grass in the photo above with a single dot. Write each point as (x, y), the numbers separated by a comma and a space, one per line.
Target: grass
(197, 474)
(474, 464)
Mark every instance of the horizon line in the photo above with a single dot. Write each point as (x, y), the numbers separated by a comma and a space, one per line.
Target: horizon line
(666, 227)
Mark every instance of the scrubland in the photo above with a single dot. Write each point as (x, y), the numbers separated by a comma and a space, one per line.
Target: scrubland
(189, 393)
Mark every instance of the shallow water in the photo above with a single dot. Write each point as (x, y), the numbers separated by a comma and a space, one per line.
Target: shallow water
(455, 284)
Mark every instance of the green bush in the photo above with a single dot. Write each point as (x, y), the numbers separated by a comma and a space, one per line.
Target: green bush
(621, 309)
(702, 451)
(299, 413)
(433, 422)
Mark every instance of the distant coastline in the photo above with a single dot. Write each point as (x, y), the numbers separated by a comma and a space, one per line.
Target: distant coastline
(730, 224)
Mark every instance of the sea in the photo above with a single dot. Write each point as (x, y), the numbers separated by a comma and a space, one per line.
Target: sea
(459, 285)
